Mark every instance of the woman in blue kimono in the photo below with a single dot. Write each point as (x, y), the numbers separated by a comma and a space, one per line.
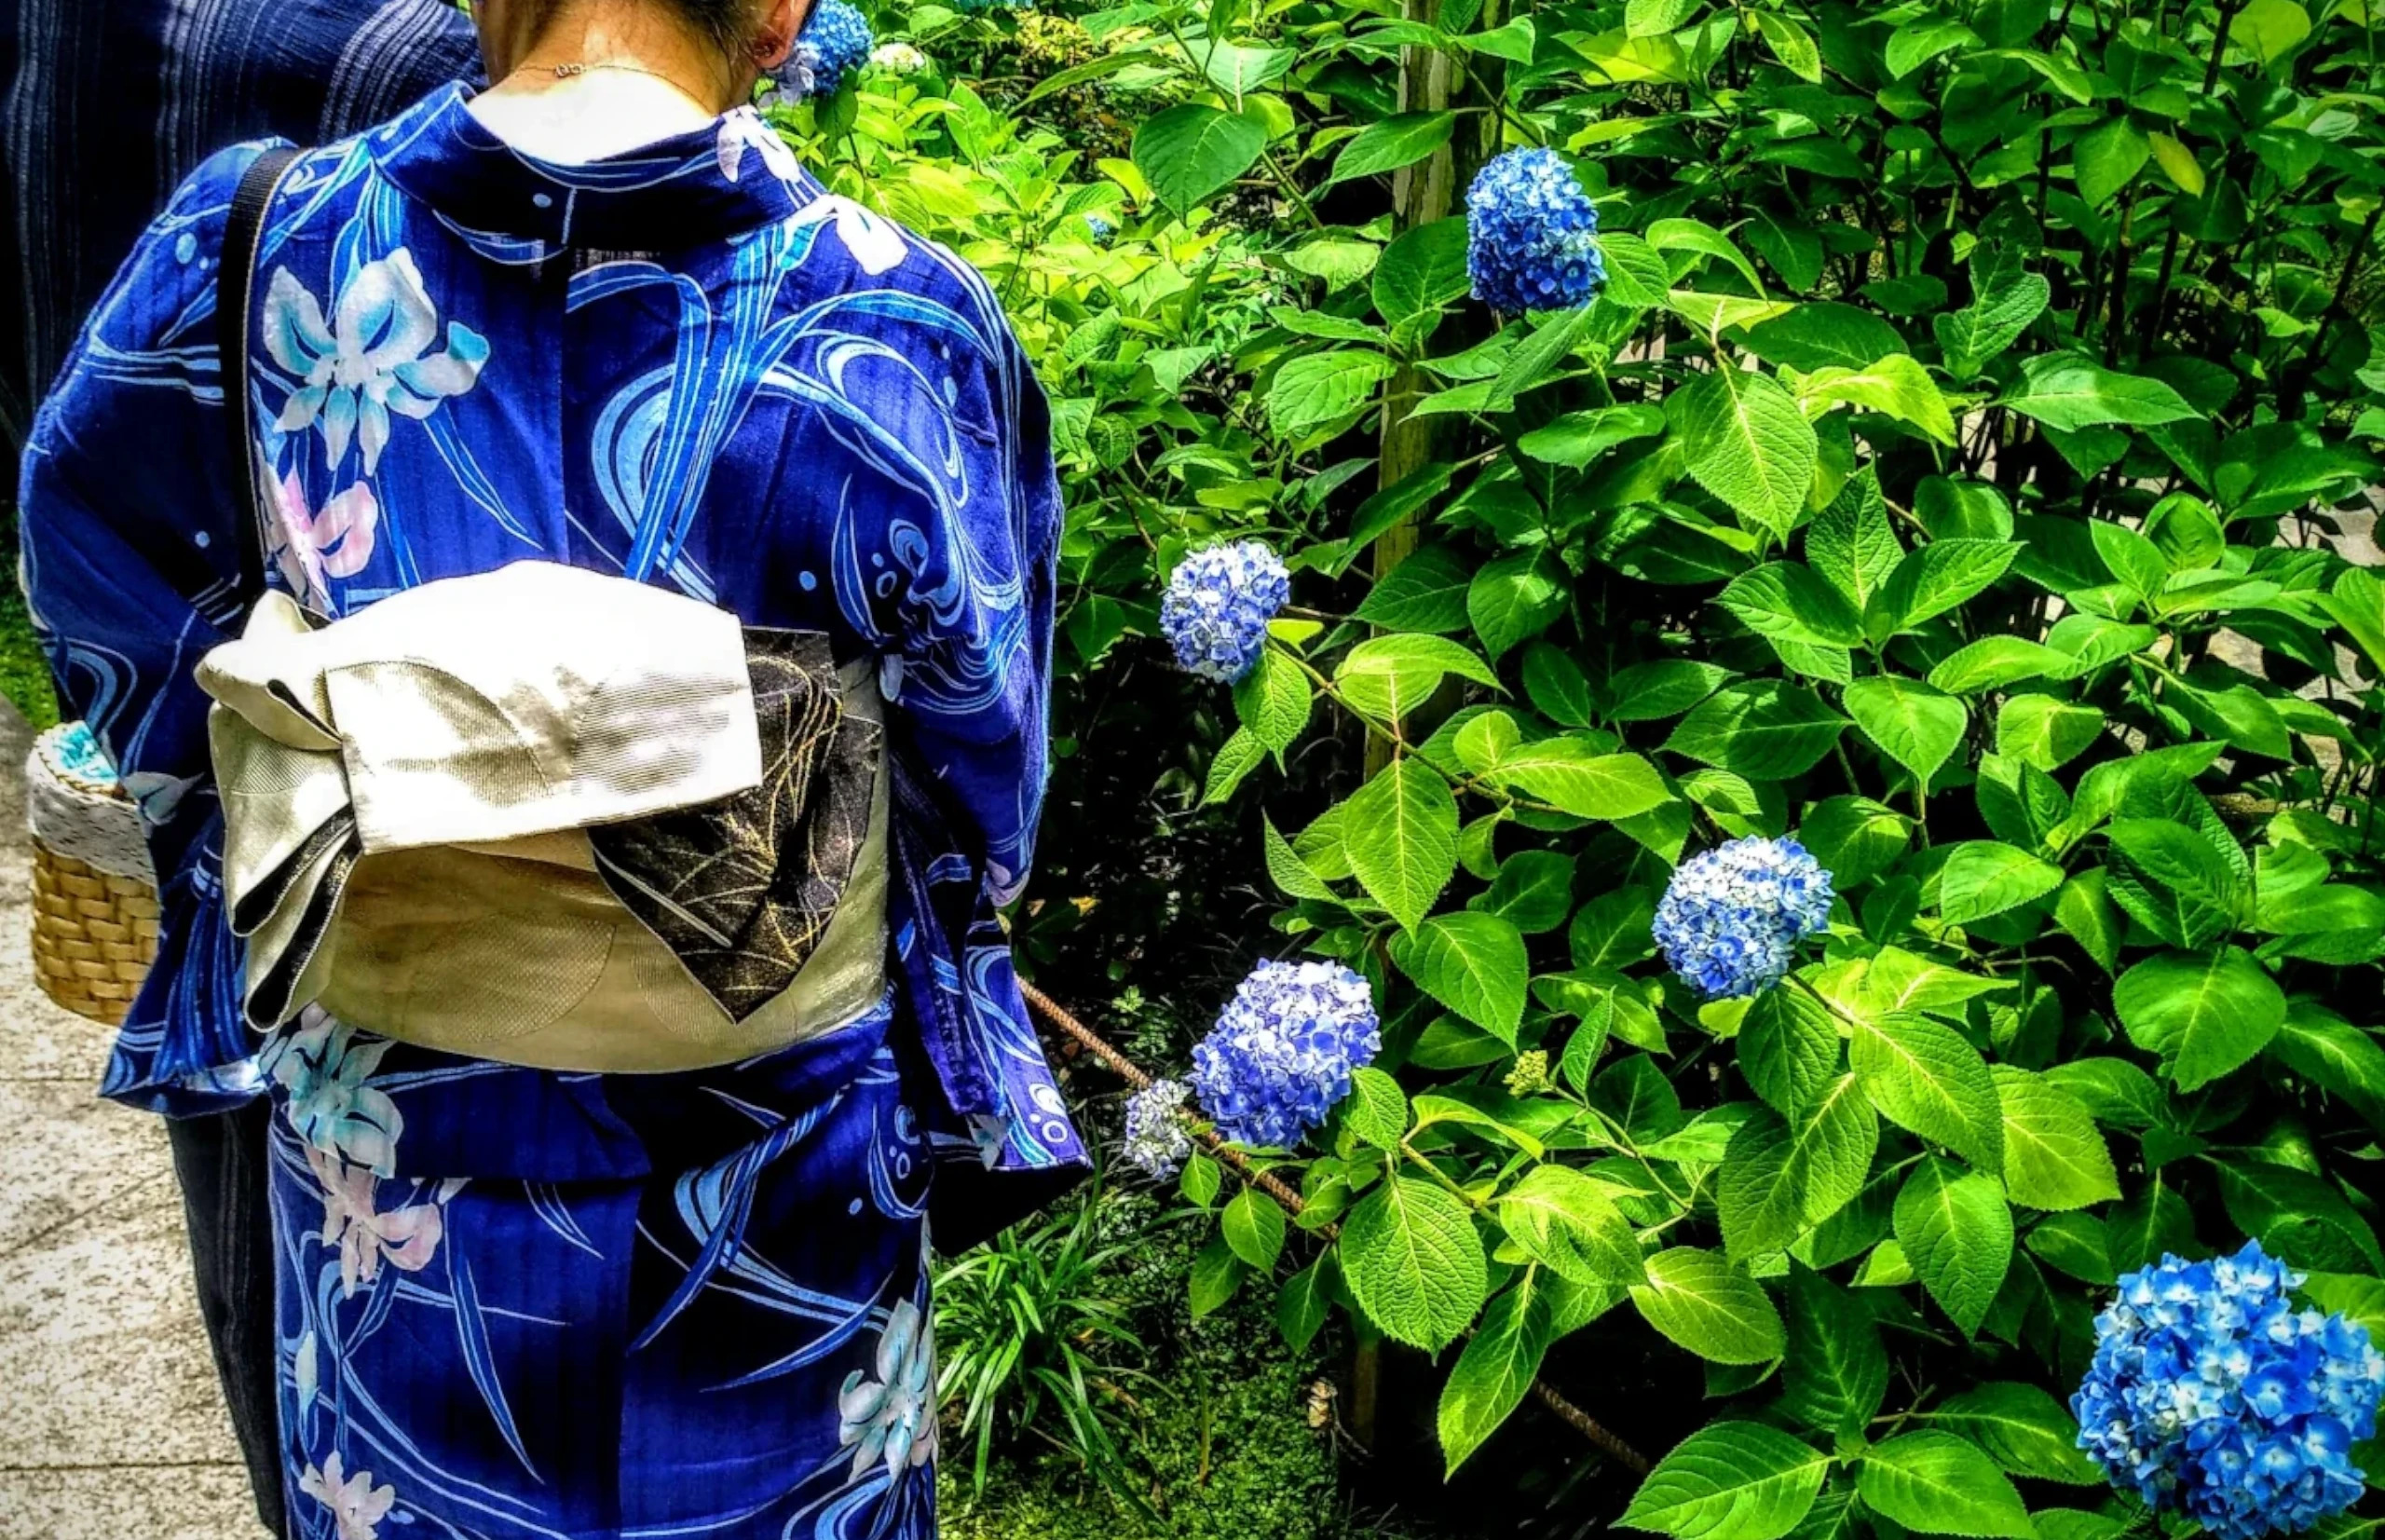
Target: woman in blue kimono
(590, 317)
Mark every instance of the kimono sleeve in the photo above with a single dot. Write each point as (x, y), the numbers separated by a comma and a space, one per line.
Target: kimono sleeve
(972, 683)
(126, 503)
(977, 660)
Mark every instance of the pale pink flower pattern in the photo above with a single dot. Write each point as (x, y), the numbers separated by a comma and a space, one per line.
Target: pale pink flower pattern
(311, 546)
(357, 1507)
(407, 1237)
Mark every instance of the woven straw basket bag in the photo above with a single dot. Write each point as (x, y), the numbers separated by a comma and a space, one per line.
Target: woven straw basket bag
(95, 893)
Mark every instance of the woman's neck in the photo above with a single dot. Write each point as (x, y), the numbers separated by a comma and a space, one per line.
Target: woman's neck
(604, 79)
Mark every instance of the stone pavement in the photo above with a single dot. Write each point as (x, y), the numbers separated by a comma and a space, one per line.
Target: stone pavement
(110, 1425)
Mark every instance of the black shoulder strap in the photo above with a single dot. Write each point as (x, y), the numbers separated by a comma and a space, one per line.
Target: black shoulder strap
(235, 297)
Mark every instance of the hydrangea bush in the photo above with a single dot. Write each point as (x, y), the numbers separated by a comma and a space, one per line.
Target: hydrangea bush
(2211, 1394)
(1217, 605)
(1532, 235)
(1283, 1051)
(1731, 917)
(1787, 584)
(836, 39)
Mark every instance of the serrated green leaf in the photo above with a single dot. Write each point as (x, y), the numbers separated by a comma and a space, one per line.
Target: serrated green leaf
(1300, 1309)
(2298, 1216)
(1237, 757)
(2174, 881)
(2075, 1243)
(1390, 677)
(1318, 390)
(1729, 1480)
(1855, 837)
(1791, 45)
(1273, 700)
(1217, 1275)
(1472, 963)
(1496, 1370)
(1253, 1225)
(1377, 1110)
(1189, 153)
(1782, 1175)
(1565, 1220)
(1914, 724)
(1745, 440)
(1414, 1261)
(1992, 323)
(1956, 1234)
(1425, 592)
(1788, 1049)
(2071, 391)
(1391, 143)
(1936, 579)
(1578, 437)
(1399, 833)
(1836, 1371)
(1761, 728)
(2023, 1429)
(1924, 1077)
(1419, 273)
(2334, 1055)
(1788, 602)
(1896, 386)
(1288, 870)
(1571, 775)
(1992, 662)
(1982, 878)
(2054, 1157)
(2046, 731)
(1936, 1483)
(1200, 1180)
(2205, 1014)
(1513, 598)
(1652, 691)
(1851, 542)
(1699, 1301)
(1922, 39)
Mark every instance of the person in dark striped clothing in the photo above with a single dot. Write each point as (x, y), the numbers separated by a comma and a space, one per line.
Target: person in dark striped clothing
(106, 107)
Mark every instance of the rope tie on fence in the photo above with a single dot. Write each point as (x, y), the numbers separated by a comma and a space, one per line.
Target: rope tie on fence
(1268, 1182)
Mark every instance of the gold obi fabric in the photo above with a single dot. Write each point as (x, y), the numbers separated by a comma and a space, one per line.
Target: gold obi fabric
(552, 818)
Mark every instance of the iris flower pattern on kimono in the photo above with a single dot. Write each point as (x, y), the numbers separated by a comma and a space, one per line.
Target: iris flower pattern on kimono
(515, 1301)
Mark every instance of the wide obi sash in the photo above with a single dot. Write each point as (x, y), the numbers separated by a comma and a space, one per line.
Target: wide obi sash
(554, 818)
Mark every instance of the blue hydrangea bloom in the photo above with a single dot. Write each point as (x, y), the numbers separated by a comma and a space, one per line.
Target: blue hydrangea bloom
(1281, 1053)
(1100, 228)
(1532, 235)
(1156, 1138)
(1217, 605)
(2211, 1394)
(1731, 918)
(837, 39)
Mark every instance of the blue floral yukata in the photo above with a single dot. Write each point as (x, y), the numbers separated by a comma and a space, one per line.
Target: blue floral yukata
(517, 1302)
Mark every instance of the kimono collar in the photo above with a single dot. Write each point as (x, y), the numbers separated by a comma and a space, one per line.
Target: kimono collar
(710, 185)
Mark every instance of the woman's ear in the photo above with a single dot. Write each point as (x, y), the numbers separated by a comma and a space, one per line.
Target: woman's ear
(782, 23)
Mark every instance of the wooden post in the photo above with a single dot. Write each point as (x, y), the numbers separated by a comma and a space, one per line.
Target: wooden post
(1421, 193)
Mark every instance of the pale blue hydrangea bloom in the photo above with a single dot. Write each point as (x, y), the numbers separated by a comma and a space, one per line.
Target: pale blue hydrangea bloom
(2211, 1394)
(1101, 229)
(1217, 605)
(837, 39)
(1731, 918)
(1281, 1053)
(1532, 235)
(1157, 1140)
